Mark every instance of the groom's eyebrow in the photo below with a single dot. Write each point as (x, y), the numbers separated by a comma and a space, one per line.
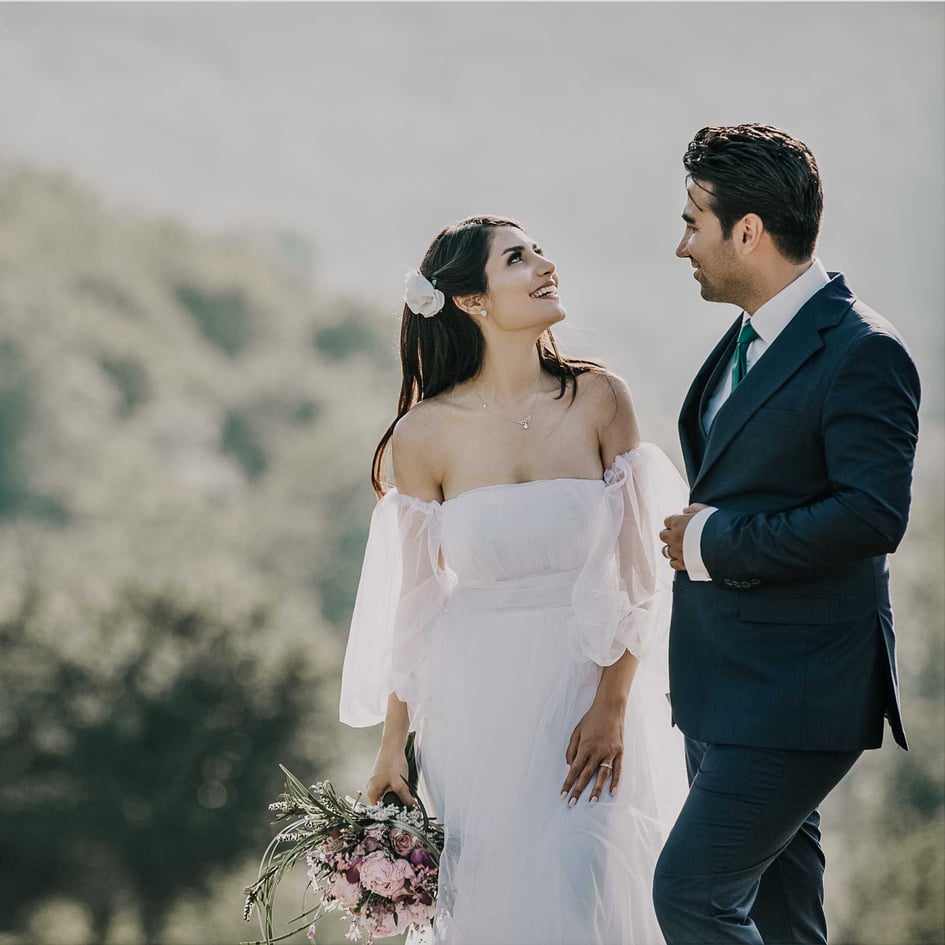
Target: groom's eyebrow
(689, 219)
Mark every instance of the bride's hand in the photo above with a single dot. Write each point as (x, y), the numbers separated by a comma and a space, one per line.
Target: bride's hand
(389, 774)
(597, 740)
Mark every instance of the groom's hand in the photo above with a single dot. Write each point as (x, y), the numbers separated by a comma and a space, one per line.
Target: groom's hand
(672, 535)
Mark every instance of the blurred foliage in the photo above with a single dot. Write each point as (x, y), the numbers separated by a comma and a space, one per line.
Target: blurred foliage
(16, 409)
(14, 423)
(337, 578)
(131, 379)
(135, 764)
(222, 317)
(239, 440)
(139, 728)
(353, 332)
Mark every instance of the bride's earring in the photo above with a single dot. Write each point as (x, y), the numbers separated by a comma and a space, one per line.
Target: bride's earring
(483, 312)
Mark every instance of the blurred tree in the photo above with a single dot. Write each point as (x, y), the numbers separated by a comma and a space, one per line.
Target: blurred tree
(131, 380)
(239, 439)
(355, 331)
(15, 407)
(17, 500)
(142, 758)
(339, 569)
(223, 318)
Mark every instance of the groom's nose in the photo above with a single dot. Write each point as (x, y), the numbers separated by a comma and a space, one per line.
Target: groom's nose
(682, 248)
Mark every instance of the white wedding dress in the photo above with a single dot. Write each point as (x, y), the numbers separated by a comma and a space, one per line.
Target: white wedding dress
(491, 615)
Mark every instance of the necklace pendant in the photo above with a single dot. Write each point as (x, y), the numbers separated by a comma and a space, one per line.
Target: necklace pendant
(524, 424)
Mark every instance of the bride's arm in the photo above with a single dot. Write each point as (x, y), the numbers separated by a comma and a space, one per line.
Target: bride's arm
(414, 476)
(390, 766)
(598, 737)
(617, 427)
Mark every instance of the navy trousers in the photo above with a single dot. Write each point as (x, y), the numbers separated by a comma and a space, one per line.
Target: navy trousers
(743, 863)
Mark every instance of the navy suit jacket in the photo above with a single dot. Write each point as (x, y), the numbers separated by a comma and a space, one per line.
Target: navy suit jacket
(809, 461)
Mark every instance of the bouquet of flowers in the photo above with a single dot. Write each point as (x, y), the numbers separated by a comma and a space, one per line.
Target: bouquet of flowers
(379, 863)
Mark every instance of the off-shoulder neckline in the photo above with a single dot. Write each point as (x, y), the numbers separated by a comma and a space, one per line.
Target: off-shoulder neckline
(526, 482)
(606, 479)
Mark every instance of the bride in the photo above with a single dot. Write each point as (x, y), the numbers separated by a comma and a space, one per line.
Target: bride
(513, 609)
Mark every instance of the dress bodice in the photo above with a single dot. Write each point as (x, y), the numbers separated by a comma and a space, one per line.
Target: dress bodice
(588, 545)
(516, 530)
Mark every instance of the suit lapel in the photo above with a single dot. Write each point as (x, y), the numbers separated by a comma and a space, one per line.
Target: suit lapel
(723, 364)
(786, 355)
(691, 433)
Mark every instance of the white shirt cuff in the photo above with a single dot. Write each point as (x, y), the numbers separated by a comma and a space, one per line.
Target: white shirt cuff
(692, 546)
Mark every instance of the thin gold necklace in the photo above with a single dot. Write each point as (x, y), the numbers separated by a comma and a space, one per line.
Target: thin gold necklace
(525, 421)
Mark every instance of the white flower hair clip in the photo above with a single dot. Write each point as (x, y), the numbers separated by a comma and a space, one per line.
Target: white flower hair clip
(422, 296)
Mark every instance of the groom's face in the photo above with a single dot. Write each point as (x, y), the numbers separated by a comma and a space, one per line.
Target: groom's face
(713, 257)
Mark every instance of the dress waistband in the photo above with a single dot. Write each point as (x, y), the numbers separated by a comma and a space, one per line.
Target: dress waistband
(532, 592)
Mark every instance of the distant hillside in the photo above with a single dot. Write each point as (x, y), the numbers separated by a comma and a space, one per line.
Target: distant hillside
(179, 406)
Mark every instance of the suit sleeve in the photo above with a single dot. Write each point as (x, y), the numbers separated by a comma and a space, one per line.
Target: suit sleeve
(869, 429)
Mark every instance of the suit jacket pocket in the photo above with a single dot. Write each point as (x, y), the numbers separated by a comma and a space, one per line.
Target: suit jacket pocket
(756, 608)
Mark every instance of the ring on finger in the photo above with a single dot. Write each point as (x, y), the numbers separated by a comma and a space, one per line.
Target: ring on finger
(605, 764)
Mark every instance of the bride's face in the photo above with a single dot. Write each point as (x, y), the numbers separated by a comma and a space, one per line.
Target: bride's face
(522, 282)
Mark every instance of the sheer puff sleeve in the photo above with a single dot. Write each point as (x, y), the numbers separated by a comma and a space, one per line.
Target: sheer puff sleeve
(622, 597)
(402, 591)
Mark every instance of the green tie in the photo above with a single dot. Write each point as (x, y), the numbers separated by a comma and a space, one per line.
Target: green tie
(740, 368)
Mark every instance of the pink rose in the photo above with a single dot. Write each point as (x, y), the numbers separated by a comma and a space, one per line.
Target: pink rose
(346, 893)
(402, 842)
(386, 878)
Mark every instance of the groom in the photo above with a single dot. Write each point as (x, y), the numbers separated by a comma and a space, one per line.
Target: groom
(798, 435)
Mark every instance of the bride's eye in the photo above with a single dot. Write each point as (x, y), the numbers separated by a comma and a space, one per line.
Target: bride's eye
(515, 256)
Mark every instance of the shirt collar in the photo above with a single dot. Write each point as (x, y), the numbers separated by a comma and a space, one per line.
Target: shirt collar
(773, 317)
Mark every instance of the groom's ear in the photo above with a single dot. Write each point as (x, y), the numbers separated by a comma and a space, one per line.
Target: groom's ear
(747, 233)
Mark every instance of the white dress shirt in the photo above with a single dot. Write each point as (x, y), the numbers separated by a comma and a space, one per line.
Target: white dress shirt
(769, 321)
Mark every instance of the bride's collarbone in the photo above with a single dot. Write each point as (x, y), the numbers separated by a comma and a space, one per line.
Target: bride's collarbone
(477, 466)
(476, 450)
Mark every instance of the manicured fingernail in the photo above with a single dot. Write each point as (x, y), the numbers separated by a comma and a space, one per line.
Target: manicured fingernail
(572, 802)
(594, 798)
(563, 793)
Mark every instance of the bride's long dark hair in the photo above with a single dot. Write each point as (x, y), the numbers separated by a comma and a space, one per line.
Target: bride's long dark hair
(440, 352)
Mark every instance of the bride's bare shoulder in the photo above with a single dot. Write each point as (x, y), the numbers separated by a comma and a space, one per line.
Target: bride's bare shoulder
(422, 424)
(417, 446)
(610, 407)
(605, 394)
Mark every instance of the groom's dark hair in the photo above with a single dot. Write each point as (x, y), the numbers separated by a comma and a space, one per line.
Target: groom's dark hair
(760, 169)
